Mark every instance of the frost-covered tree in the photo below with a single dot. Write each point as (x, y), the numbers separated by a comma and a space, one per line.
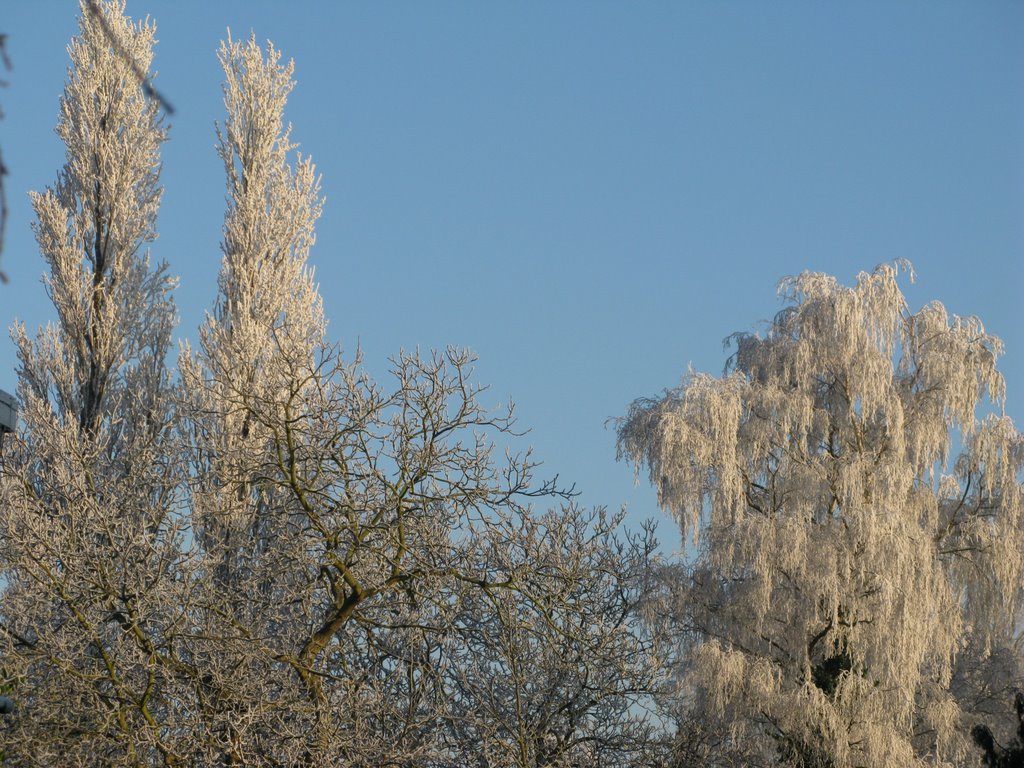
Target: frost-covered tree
(89, 544)
(256, 371)
(338, 521)
(271, 558)
(856, 591)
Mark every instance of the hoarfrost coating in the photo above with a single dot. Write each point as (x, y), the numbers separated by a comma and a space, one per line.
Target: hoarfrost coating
(856, 590)
(269, 558)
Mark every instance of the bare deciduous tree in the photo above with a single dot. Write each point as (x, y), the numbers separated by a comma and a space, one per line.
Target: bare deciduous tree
(856, 589)
(554, 667)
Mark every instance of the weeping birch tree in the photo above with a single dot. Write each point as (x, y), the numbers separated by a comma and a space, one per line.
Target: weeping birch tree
(855, 495)
(89, 544)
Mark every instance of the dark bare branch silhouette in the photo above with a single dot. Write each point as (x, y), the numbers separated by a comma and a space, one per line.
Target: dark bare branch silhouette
(144, 82)
(3, 168)
(115, 43)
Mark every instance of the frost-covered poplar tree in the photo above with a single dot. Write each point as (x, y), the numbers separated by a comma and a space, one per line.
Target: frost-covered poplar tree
(856, 594)
(88, 539)
(255, 374)
(327, 508)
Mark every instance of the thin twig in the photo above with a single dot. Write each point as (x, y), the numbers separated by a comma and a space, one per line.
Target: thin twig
(3, 168)
(147, 86)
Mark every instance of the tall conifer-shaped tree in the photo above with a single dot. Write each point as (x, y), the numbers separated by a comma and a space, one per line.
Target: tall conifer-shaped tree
(334, 516)
(260, 345)
(855, 596)
(249, 392)
(89, 539)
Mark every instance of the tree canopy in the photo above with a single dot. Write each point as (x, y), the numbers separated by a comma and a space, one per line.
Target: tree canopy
(255, 553)
(265, 557)
(856, 591)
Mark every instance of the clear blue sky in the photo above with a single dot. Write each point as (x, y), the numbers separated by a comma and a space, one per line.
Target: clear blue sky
(591, 195)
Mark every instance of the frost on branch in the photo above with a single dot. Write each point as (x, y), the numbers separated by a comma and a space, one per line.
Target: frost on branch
(341, 600)
(856, 585)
